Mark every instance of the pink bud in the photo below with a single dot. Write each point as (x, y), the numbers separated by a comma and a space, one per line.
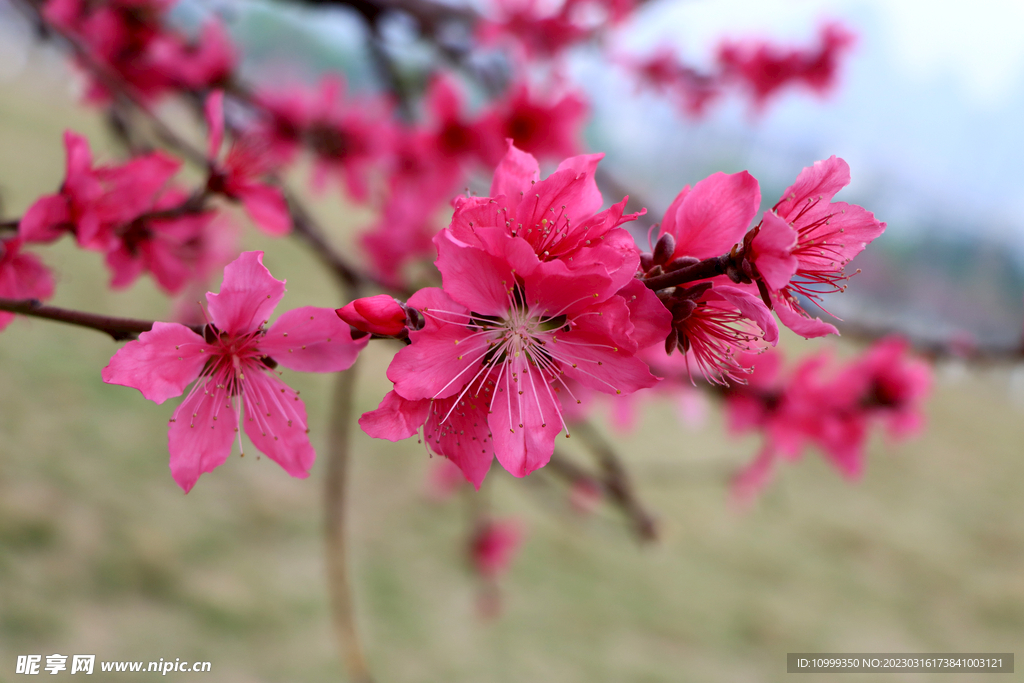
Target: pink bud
(494, 546)
(379, 314)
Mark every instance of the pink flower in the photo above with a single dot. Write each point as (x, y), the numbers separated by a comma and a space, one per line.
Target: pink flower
(348, 136)
(130, 38)
(765, 69)
(829, 235)
(499, 339)
(22, 276)
(559, 217)
(662, 71)
(714, 322)
(402, 236)
(93, 201)
(545, 127)
(234, 366)
(379, 314)
(169, 243)
(238, 176)
(494, 546)
(206, 63)
(833, 410)
(540, 33)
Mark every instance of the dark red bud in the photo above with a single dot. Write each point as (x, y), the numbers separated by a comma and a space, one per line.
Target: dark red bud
(664, 249)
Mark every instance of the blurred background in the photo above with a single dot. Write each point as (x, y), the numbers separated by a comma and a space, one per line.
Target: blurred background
(100, 553)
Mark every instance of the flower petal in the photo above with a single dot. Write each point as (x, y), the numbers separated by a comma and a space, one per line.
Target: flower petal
(395, 418)
(524, 418)
(275, 422)
(161, 363)
(247, 297)
(514, 175)
(773, 251)
(311, 339)
(473, 277)
(715, 214)
(800, 321)
(214, 111)
(43, 220)
(200, 434)
(266, 207)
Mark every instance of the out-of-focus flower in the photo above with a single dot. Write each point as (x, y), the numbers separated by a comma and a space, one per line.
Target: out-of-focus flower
(93, 201)
(765, 69)
(239, 176)
(22, 276)
(828, 407)
(548, 128)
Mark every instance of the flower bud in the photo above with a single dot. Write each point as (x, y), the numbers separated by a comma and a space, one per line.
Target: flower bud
(664, 249)
(379, 314)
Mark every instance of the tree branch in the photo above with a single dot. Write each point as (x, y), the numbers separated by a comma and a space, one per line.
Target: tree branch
(335, 516)
(121, 329)
(614, 479)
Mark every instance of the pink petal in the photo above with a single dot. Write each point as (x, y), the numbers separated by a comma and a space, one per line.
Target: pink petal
(597, 353)
(125, 267)
(586, 199)
(214, 111)
(457, 428)
(514, 175)
(161, 363)
(275, 422)
(437, 364)
(266, 206)
(395, 418)
(247, 296)
(715, 214)
(773, 246)
(443, 98)
(820, 181)
(473, 277)
(79, 160)
(668, 223)
(200, 434)
(311, 339)
(751, 307)
(43, 220)
(524, 418)
(800, 322)
(651, 320)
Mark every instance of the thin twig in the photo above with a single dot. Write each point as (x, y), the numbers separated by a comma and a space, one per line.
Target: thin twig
(335, 516)
(121, 329)
(614, 479)
(935, 349)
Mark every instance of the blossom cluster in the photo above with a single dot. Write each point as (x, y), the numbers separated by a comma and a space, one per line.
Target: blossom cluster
(545, 297)
(760, 68)
(545, 300)
(827, 404)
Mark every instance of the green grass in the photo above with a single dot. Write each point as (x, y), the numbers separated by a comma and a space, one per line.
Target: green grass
(100, 552)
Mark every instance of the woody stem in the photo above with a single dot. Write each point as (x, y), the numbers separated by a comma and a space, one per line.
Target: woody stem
(120, 329)
(335, 517)
(703, 270)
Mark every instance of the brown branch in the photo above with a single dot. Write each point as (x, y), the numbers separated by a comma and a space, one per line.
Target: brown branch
(934, 349)
(121, 329)
(335, 516)
(698, 271)
(614, 480)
